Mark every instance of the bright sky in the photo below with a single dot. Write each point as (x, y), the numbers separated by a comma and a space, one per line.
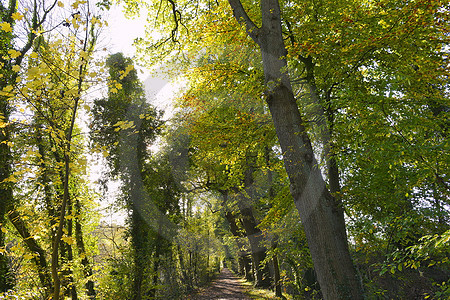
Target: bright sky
(122, 31)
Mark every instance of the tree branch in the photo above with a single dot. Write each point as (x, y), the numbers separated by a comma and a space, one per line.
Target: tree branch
(242, 17)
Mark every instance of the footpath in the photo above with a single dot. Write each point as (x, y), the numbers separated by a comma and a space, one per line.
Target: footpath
(225, 287)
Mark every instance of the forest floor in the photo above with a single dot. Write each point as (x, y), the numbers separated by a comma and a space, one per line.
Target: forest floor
(225, 287)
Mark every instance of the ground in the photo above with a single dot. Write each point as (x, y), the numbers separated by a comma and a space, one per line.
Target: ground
(225, 287)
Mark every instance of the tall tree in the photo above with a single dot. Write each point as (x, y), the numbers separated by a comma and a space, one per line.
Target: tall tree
(127, 124)
(321, 216)
(10, 62)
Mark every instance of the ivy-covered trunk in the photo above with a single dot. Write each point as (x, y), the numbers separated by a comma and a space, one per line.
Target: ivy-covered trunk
(6, 194)
(319, 212)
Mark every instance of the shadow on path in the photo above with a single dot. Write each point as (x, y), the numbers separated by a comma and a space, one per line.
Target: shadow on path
(225, 287)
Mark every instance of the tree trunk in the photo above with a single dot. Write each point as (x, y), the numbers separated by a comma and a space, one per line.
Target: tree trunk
(138, 243)
(320, 214)
(6, 195)
(158, 242)
(254, 235)
(244, 261)
(6, 188)
(276, 271)
(39, 260)
(67, 257)
(183, 267)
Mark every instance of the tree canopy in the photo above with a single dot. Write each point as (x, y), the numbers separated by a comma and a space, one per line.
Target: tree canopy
(307, 150)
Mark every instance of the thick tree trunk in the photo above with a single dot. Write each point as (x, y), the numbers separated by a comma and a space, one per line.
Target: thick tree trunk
(67, 257)
(6, 188)
(183, 268)
(6, 195)
(158, 243)
(321, 216)
(138, 243)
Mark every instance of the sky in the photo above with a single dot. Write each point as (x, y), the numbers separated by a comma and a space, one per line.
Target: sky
(122, 31)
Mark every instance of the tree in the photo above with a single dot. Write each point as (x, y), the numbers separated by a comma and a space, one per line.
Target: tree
(322, 218)
(10, 61)
(226, 158)
(50, 86)
(331, 65)
(127, 124)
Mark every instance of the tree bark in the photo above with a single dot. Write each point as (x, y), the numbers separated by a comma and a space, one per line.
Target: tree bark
(6, 194)
(276, 268)
(138, 243)
(255, 237)
(250, 225)
(320, 214)
(39, 260)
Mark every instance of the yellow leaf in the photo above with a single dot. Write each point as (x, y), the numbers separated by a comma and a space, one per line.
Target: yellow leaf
(17, 16)
(7, 88)
(383, 24)
(114, 90)
(6, 27)
(60, 4)
(84, 54)
(4, 230)
(34, 55)
(68, 239)
(13, 53)
(127, 70)
(33, 72)
(16, 68)
(28, 256)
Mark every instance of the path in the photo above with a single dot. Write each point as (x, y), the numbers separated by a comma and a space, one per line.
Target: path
(225, 287)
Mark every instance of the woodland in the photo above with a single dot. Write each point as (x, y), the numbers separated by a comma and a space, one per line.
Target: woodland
(305, 149)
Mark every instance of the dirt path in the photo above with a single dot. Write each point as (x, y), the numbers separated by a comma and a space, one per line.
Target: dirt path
(225, 287)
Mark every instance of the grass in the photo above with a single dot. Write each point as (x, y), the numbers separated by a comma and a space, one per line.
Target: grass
(257, 293)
